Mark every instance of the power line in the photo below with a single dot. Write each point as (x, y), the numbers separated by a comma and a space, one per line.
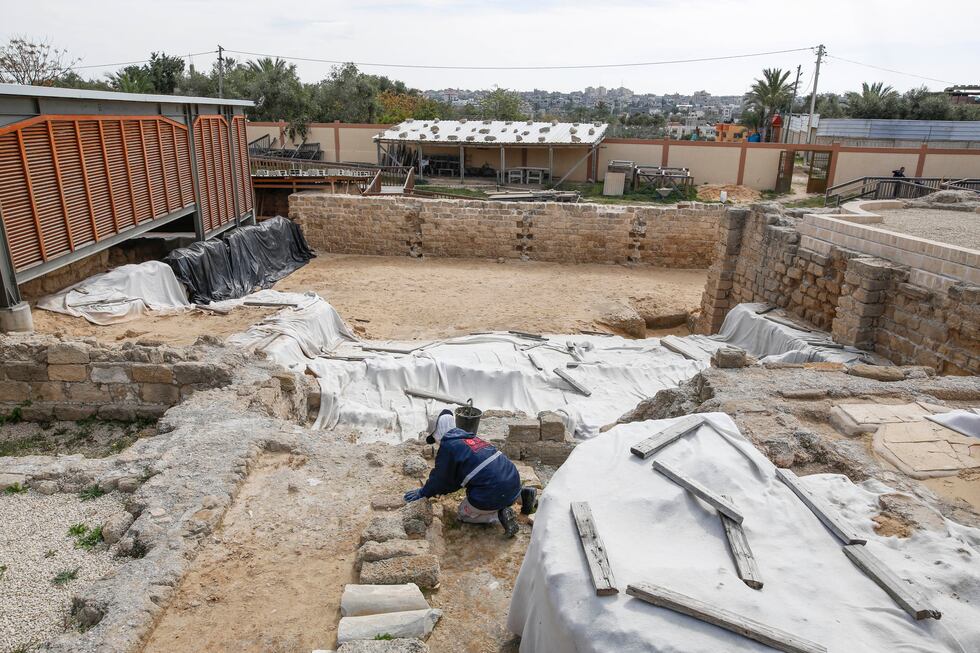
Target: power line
(571, 67)
(133, 63)
(890, 70)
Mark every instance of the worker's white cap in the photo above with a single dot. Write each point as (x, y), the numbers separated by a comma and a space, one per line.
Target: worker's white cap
(440, 425)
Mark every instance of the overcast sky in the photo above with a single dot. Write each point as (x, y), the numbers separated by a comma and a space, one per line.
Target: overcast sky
(936, 39)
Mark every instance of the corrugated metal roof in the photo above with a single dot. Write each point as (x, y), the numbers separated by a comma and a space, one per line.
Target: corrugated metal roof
(495, 132)
(917, 130)
(81, 94)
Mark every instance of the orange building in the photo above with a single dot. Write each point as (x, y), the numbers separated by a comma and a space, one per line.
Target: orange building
(727, 132)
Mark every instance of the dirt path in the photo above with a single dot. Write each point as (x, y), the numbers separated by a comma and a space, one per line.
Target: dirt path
(404, 298)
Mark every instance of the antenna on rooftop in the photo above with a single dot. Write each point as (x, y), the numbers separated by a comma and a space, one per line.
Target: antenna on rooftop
(221, 71)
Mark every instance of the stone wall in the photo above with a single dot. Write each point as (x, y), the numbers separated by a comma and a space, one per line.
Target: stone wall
(48, 379)
(867, 301)
(680, 237)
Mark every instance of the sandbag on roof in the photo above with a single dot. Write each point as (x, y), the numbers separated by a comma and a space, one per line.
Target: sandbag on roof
(250, 258)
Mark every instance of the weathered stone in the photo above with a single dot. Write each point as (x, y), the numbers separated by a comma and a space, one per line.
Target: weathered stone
(361, 600)
(152, 373)
(128, 484)
(877, 372)
(117, 412)
(384, 528)
(548, 453)
(416, 624)
(388, 502)
(26, 371)
(44, 487)
(70, 413)
(88, 393)
(109, 374)
(374, 551)
(67, 372)
(729, 358)
(415, 466)
(416, 517)
(14, 391)
(805, 393)
(423, 570)
(68, 353)
(116, 526)
(524, 430)
(552, 426)
(159, 393)
(10, 480)
(198, 372)
(399, 645)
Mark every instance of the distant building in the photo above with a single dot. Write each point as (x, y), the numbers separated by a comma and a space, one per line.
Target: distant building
(887, 133)
(963, 94)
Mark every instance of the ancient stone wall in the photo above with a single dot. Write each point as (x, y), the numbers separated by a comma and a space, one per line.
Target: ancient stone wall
(867, 301)
(567, 233)
(45, 379)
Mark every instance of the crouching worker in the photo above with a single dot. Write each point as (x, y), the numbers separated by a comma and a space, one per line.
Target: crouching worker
(490, 478)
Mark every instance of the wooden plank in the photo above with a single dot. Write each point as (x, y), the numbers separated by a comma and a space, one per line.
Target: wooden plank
(765, 310)
(529, 336)
(787, 323)
(901, 592)
(212, 309)
(253, 302)
(595, 550)
(390, 350)
(338, 357)
(535, 362)
(678, 346)
(730, 621)
(698, 490)
(646, 448)
(824, 513)
(572, 382)
(425, 394)
(738, 544)
(594, 333)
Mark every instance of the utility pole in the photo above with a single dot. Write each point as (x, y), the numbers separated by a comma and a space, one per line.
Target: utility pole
(813, 98)
(221, 71)
(789, 114)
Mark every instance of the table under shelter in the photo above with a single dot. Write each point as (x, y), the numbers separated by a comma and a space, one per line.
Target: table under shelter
(512, 152)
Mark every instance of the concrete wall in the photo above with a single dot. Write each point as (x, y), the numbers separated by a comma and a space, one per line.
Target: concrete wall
(877, 294)
(851, 165)
(567, 233)
(956, 166)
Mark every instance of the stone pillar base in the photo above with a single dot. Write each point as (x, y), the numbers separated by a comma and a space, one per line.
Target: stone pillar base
(16, 318)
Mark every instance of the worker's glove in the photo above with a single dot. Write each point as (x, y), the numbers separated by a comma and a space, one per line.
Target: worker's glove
(413, 495)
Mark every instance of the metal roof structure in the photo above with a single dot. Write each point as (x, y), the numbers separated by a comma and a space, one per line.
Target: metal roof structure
(23, 90)
(494, 132)
(910, 130)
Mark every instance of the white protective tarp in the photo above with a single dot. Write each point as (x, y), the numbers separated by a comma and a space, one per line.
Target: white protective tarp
(121, 294)
(492, 369)
(656, 532)
(966, 422)
(770, 341)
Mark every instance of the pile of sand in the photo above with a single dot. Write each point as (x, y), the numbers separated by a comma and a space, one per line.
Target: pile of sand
(712, 193)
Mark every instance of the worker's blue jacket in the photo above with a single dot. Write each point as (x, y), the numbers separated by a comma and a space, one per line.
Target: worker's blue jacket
(495, 486)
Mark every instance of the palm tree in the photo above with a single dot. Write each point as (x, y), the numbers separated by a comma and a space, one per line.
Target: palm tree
(770, 94)
(874, 101)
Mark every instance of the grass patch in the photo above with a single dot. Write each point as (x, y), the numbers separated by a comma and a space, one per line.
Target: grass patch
(85, 537)
(807, 203)
(65, 576)
(49, 553)
(15, 416)
(593, 193)
(460, 192)
(16, 488)
(3, 571)
(91, 492)
(384, 638)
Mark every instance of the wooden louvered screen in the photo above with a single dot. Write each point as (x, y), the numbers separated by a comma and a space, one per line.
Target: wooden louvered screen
(70, 181)
(214, 170)
(241, 164)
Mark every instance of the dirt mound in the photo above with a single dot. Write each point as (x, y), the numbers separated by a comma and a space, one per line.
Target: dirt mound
(712, 193)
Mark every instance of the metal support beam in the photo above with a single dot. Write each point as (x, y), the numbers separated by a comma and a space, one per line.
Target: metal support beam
(189, 115)
(233, 149)
(577, 164)
(462, 163)
(502, 175)
(9, 292)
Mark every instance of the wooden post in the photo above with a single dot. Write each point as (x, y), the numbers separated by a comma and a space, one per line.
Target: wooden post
(750, 628)
(551, 164)
(595, 550)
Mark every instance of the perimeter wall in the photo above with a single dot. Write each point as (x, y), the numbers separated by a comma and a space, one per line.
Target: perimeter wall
(682, 237)
(911, 300)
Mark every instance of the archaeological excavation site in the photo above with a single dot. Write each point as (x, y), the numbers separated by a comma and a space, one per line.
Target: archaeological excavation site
(396, 422)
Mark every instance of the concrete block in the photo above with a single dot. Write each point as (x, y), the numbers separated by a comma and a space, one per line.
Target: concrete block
(524, 430)
(417, 624)
(361, 600)
(423, 570)
(552, 426)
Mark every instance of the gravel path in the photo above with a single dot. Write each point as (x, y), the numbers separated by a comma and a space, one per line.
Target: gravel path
(35, 547)
(954, 227)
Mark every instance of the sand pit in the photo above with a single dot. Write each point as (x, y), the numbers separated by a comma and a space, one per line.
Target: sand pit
(738, 194)
(406, 299)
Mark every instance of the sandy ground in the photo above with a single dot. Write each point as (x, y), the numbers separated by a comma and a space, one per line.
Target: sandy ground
(269, 580)
(404, 298)
(959, 228)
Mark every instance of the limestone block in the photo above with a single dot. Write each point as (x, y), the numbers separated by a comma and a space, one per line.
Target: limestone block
(416, 517)
(14, 391)
(423, 570)
(68, 413)
(384, 528)
(159, 393)
(109, 374)
(548, 453)
(877, 372)
(524, 430)
(89, 393)
(361, 600)
(374, 551)
(399, 645)
(67, 372)
(68, 353)
(116, 526)
(729, 357)
(552, 426)
(198, 372)
(9, 480)
(416, 624)
(152, 373)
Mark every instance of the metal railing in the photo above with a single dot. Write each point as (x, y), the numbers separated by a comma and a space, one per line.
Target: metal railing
(880, 188)
(391, 180)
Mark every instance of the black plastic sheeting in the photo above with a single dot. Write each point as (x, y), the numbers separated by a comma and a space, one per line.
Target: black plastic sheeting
(248, 259)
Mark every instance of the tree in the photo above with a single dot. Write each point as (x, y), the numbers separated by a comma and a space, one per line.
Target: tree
(874, 101)
(396, 107)
(164, 72)
(828, 106)
(277, 91)
(501, 104)
(131, 79)
(35, 63)
(770, 94)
